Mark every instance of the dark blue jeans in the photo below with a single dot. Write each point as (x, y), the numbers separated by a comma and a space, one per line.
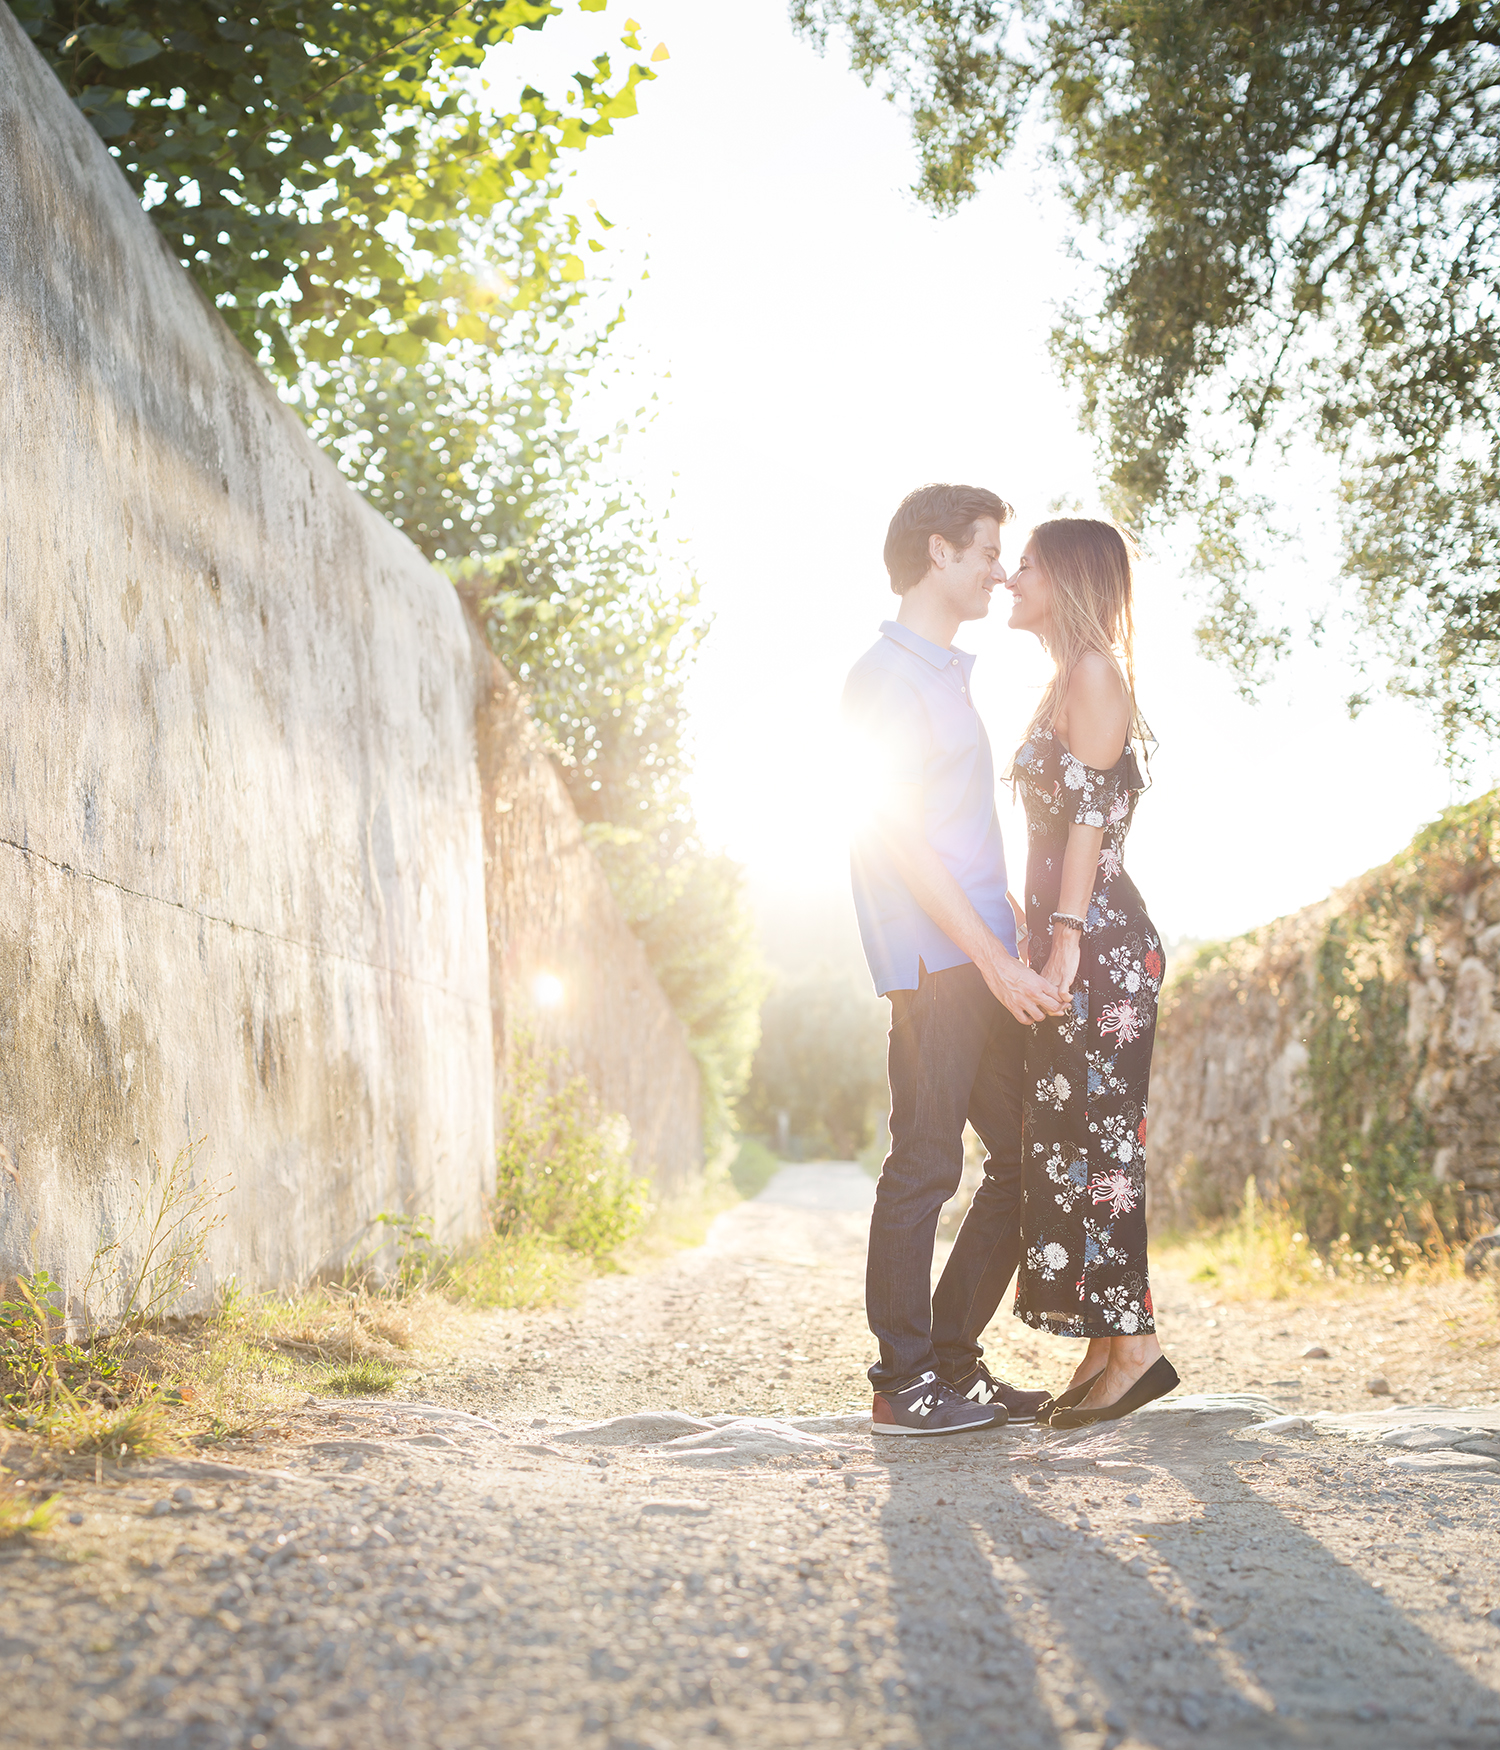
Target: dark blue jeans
(955, 1053)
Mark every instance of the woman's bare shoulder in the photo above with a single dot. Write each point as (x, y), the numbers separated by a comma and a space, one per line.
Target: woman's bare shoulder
(1096, 677)
(1098, 710)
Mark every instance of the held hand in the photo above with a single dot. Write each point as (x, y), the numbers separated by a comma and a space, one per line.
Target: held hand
(1028, 997)
(1062, 963)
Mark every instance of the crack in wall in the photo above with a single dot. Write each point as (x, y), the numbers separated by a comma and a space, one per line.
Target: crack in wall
(317, 949)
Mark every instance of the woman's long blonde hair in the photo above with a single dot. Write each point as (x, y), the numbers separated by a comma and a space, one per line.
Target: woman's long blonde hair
(1088, 563)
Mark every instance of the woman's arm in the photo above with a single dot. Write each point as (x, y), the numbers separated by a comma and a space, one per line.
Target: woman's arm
(1094, 722)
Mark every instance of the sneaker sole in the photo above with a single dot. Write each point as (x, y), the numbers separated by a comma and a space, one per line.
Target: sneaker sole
(932, 1433)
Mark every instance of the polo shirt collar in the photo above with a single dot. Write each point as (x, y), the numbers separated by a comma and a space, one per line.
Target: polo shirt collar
(936, 654)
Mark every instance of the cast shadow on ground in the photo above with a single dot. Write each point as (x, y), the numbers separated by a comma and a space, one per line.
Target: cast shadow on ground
(1017, 1626)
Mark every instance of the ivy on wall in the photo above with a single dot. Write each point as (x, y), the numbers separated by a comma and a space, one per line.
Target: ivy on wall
(1365, 1175)
(1358, 1172)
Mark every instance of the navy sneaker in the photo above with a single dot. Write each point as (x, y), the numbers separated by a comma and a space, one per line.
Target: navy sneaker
(930, 1405)
(981, 1387)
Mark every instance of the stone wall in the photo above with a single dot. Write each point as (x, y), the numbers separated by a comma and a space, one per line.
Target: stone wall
(250, 870)
(1231, 1092)
(564, 971)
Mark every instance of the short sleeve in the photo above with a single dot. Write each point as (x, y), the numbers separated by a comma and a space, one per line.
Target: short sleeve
(887, 728)
(1101, 798)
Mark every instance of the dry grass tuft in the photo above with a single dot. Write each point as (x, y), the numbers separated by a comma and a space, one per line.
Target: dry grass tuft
(140, 1430)
(514, 1271)
(1262, 1255)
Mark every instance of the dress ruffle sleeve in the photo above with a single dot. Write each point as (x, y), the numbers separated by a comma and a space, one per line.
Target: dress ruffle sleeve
(1101, 798)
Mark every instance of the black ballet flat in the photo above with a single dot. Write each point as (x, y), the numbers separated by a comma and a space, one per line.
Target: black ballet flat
(1158, 1379)
(1065, 1400)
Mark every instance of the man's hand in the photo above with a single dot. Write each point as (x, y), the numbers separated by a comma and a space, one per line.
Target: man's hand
(1028, 996)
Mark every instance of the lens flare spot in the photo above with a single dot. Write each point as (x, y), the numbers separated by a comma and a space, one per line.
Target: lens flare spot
(546, 990)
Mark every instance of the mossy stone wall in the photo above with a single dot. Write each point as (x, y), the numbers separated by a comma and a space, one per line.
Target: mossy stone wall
(1347, 1056)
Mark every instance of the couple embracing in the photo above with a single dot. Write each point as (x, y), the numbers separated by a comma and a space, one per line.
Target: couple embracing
(1033, 1023)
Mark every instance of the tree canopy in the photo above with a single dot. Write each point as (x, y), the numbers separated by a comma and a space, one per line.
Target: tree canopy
(1293, 211)
(329, 170)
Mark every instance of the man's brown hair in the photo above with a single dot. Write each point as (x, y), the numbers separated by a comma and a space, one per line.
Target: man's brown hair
(949, 511)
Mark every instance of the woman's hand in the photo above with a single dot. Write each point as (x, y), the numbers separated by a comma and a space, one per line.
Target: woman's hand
(1062, 963)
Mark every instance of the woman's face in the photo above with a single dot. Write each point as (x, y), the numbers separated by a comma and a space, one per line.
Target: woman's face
(1030, 595)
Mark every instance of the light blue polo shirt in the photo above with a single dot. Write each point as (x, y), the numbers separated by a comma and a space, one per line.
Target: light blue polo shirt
(909, 710)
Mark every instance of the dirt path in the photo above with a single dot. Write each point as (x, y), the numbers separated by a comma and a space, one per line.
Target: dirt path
(479, 1568)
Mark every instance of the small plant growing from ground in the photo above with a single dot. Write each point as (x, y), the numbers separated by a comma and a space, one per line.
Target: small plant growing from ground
(21, 1513)
(101, 1399)
(146, 1271)
(362, 1378)
(38, 1366)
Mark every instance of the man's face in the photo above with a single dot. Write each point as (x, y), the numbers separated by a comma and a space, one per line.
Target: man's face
(968, 578)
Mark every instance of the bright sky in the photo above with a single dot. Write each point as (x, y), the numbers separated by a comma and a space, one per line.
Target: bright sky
(826, 345)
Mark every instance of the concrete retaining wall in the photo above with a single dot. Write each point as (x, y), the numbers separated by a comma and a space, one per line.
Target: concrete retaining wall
(243, 842)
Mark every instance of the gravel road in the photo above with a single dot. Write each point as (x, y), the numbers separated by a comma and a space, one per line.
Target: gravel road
(659, 1519)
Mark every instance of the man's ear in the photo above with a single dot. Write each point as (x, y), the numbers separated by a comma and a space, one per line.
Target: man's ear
(937, 552)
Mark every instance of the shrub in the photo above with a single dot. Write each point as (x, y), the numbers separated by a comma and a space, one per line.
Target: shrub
(821, 1064)
(753, 1168)
(564, 1170)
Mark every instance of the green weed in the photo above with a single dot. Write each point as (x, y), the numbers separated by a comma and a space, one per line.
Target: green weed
(19, 1514)
(564, 1170)
(361, 1378)
(144, 1272)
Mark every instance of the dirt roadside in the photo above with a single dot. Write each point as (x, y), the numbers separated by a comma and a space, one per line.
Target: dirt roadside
(465, 1570)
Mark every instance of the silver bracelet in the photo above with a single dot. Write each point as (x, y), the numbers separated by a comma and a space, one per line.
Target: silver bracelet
(1062, 917)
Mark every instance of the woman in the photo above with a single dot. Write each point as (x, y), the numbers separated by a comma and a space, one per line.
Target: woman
(1083, 1220)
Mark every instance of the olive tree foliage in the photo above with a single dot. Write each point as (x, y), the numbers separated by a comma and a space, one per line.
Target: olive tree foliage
(1293, 211)
(393, 246)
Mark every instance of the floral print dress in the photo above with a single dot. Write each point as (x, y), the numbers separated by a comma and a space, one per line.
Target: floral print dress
(1083, 1216)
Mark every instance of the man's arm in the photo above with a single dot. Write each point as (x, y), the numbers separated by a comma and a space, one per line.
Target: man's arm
(903, 828)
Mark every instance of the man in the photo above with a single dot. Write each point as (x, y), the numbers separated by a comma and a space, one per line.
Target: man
(940, 937)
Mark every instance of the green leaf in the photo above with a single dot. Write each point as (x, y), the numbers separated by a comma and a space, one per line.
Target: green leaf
(118, 45)
(108, 112)
(32, 15)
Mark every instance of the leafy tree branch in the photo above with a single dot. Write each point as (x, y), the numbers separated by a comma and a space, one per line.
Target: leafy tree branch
(1293, 209)
(331, 172)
